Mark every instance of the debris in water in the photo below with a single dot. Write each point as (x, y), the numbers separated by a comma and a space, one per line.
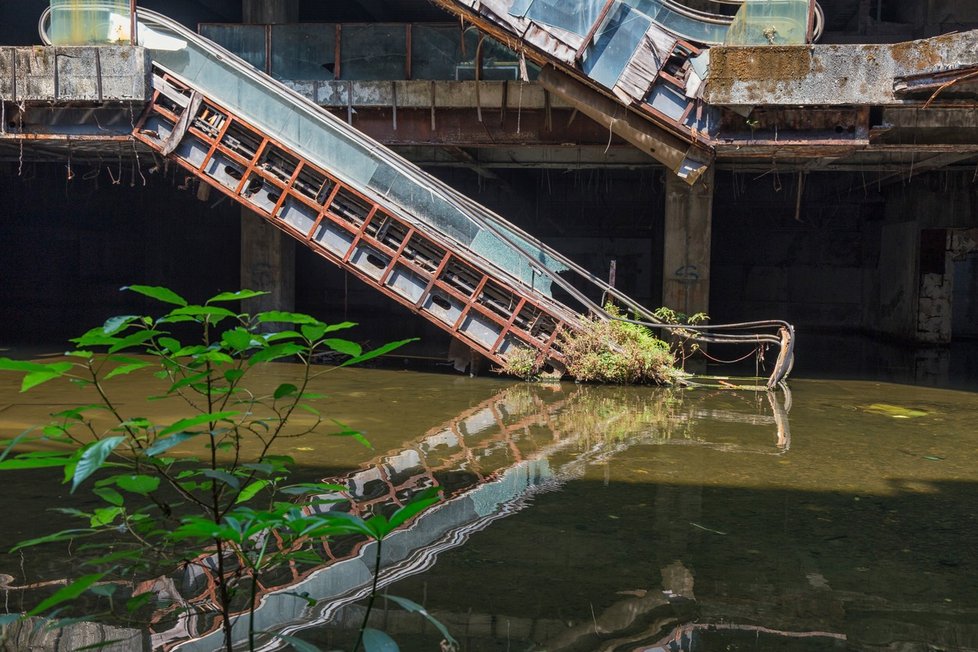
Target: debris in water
(706, 529)
(895, 411)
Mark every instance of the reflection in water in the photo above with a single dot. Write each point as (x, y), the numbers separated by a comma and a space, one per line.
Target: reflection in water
(491, 460)
(586, 518)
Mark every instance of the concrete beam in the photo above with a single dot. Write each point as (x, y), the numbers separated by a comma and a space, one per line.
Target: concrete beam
(830, 74)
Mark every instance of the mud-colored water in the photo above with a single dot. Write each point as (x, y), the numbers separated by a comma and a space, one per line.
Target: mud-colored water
(843, 515)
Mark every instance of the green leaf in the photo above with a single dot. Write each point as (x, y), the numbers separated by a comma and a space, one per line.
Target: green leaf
(370, 355)
(285, 389)
(276, 351)
(233, 375)
(137, 601)
(170, 344)
(66, 593)
(34, 461)
(137, 484)
(313, 487)
(313, 332)
(165, 295)
(201, 312)
(418, 504)
(353, 434)
(36, 378)
(239, 339)
(166, 443)
(249, 492)
(222, 476)
(133, 339)
(375, 640)
(63, 535)
(341, 326)
(109, 495)
(343, 346)
(93, 458)
(126, 369)
(105, 516)
(414, 607)
(115, 324)
(190, 422)
(6, 364)
(285, 317)
(240, 295)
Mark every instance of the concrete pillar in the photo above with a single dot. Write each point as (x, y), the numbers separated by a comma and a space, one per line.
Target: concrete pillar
(267, 254)
(688, 231)
(270, 11)
(267, 263)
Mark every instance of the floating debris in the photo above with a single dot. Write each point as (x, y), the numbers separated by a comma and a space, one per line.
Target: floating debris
(895, 411)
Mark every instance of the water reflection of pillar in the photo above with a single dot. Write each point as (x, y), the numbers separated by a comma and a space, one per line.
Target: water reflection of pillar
(676, 509)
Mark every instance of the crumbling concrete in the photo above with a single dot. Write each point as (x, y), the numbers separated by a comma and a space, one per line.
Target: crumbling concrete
(77, 74)
(831, 75)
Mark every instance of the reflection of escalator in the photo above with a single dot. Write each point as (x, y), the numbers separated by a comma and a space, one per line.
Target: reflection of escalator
(490, 460)
(362, 207)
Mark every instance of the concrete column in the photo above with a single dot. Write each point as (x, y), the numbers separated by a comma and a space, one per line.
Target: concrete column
(267, 263)
(267, 254)
(688, 231)
(270, 11)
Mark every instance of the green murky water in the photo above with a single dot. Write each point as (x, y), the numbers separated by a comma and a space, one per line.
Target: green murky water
(843, 515)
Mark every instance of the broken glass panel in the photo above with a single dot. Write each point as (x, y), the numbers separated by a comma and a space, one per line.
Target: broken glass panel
(614, 44)
(687, 26)
(246, 41)
(575, 16)
(303, 51)
(373, 52)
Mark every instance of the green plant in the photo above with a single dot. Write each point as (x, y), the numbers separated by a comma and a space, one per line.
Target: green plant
(523, 362)
(616, 351)
(234, 516)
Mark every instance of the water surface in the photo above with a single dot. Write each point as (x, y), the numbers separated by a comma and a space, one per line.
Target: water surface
(840, 516)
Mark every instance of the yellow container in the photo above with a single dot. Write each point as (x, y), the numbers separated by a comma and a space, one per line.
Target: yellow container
(89, 22)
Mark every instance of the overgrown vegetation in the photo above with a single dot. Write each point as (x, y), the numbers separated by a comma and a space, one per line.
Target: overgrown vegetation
(231, 516)
(606, 351)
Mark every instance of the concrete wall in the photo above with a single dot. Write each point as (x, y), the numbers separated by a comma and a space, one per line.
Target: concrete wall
(815, 268)
(68, 246)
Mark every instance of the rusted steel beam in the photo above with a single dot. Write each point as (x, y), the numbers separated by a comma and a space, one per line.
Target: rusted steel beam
(593, 30)
(461, 128)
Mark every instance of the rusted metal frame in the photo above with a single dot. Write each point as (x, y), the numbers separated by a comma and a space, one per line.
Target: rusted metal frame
(133, 28)
(396, 258)
(324, 208)
(216, 140)
(472, 300)
(593, 30)
(445, 259)
(675, 128)
(337, 51)
(359, 234)
(250, 166)
(675, 81)
(289, 190)
(810, 31)
(407, 57)
(509, 324)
